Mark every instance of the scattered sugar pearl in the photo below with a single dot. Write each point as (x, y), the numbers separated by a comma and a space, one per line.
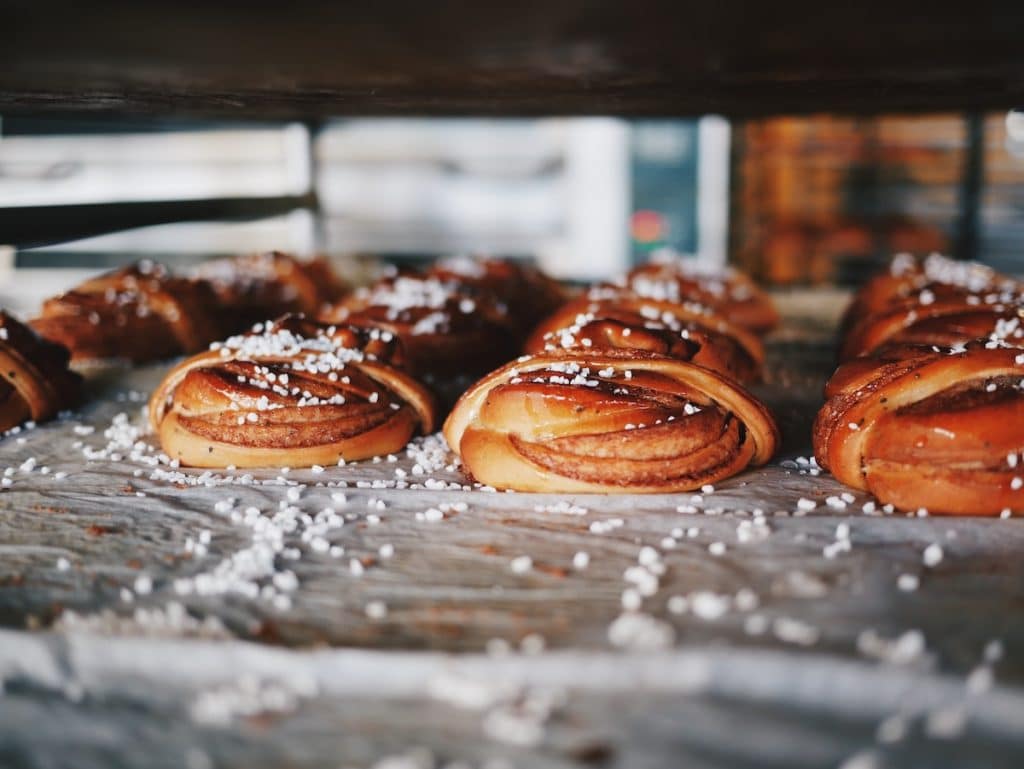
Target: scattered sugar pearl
(386, 550)
(376, 610)
(678, 604)
(631, 599)
(993, 651)
(63, 564)
(1016, 483)
(143, 584)
(891, 730)
(716, 548)
(933, 555)
(533, 643)
(521, 564)
(581, 560)
(806, 504)
(707, 488)
(908, 583)
(980, 680)
(355, 567)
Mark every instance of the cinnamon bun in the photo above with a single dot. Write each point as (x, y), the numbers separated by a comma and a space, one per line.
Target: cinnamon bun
(35, 382)
(293, 393)
(907, 275)
(527, 292)
(729, 292)
(608, 421)
(139, 313)
(687, 332)
(446, 327)
(941, 429)
(255, 287)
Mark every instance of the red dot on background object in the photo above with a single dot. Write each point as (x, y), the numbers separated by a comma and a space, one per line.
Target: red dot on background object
(647, 226)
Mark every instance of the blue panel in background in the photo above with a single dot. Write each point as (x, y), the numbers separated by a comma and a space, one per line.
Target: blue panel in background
(664, 211)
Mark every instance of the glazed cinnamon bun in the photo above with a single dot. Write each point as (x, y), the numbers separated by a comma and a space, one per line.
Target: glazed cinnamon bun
(35, 382)
(525, 291)
(446, 327)
(729, 292)
(138, 313)
(688, 332)
(945, 322)
(907, 276)
(292, 393)
(608, 421)
(255, 287)
(941, 429)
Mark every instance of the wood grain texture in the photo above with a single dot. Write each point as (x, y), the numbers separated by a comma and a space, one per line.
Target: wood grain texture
(535, 57)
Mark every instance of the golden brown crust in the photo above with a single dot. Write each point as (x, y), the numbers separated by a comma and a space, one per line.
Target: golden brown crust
(686, 332)
(447, 327)
(257, 287)
(921, 428)
(138, 313)
(527, 292)
(936, 300)
(951, 320)
(608, 421)
(907, 276)
(731, 293)
(295, 393)
(35, 382)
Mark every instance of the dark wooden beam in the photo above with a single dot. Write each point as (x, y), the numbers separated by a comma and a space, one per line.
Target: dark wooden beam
(33, 226)
(314, 58)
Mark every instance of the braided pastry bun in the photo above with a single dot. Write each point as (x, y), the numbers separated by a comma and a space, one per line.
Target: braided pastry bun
(920, 428)
(686, 332)
(943, 322)
(527, 292)
(937, 279)
(139, 313)
(293, 393)
(608, 421)
(446, 327)
(255, 287)
(35, 382)
(729, 292)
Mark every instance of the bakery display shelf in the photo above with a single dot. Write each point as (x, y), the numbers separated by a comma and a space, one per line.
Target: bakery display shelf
(149, 611)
